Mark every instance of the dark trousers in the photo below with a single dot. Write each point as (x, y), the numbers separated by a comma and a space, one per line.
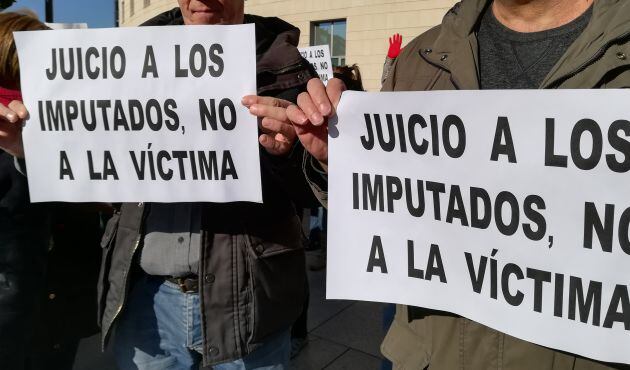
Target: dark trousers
(22, 282)
(48, 355)
(300, 327)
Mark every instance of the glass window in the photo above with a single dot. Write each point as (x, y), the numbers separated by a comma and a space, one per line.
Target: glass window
(322, 34)
(332, 33)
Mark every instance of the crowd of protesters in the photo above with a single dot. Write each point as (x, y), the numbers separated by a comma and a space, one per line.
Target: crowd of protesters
(190, 285)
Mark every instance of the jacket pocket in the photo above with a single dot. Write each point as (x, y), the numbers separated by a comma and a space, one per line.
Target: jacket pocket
(405, 347)
(277, 275)
(109, 236)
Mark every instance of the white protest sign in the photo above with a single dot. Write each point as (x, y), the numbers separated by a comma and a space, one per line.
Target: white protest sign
(319, 57)
(140, 114)
(510, 208)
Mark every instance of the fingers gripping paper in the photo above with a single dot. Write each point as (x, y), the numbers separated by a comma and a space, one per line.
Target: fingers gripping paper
(140, 114)
(510, 208)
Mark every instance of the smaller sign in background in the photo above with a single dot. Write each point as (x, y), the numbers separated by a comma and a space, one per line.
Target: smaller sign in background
(319, 57)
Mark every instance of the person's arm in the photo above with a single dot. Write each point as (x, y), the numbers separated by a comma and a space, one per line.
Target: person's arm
(395, 47)
(20, 165)
(389, 62)
(282, 153)
(310, 119)
(317, 177)
(11, 120)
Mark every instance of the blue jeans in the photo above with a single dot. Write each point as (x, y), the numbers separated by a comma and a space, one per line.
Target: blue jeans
(160, 329)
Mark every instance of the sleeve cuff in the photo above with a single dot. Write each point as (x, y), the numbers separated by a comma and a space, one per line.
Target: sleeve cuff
(20, 165)
(316, 177)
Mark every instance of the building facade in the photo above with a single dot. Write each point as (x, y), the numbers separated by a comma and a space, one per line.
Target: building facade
(357, 31)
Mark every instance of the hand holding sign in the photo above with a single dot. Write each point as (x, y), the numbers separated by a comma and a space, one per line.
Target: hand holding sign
(278, 134)
(11, 119)
(144, 114)
(310, 116)
(452, 204)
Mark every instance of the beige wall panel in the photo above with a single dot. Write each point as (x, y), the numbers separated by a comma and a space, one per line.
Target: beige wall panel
(142, 14)
(369, 23)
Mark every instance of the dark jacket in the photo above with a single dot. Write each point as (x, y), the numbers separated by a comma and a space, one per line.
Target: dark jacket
(252, 270)
(23, 248)
(47, 274)
(68, 295)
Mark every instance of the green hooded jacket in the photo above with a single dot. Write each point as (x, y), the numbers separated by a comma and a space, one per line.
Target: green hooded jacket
(446, 58)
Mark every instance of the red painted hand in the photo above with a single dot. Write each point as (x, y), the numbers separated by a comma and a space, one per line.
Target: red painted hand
(395, 46)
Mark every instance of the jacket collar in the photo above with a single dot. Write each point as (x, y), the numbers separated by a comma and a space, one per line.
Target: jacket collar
(603, 41)
(276, 43)
(456, 49)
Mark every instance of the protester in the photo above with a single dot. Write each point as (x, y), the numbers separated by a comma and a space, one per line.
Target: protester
(49, 253)
(351, 77)
(482, 44)
(215, 283)
(395, 47)
(250, 266)
(23, 227)
(318, 226)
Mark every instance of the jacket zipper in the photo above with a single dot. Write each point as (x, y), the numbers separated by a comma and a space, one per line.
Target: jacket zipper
(119, 309)
(126, 280)
(600, 53)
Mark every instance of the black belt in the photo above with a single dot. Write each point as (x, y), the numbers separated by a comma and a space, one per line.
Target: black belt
(188, 284)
